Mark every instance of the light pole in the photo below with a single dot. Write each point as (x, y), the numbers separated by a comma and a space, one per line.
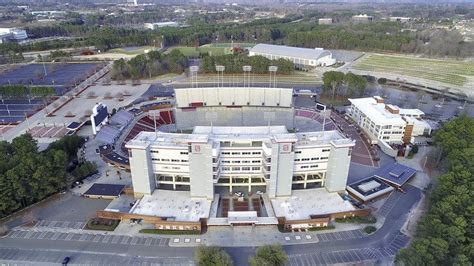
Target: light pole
(324, 110)
(272, 70)
(220, 72)
(247, 70)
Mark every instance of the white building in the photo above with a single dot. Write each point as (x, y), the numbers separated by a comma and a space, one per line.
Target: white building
(262, 158)
(157, 25)
(99, 117)
(325, 21)
(12, 34)
(301, 57)
(361, 18)
(387, 122)
(400, 19)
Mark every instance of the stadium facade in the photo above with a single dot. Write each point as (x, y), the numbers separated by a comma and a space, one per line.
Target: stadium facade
(269, 159)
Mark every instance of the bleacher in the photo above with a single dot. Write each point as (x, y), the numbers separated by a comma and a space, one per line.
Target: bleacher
(147, 124)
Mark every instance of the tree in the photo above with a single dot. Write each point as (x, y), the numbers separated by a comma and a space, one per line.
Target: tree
(332, 81)
(212, 256)
(269, 255)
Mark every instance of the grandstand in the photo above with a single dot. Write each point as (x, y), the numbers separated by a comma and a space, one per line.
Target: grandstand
(147, 124)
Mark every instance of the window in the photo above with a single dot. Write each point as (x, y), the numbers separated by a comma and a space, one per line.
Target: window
(236, 153)
(184, 161)
(314, 166)
(245, 168)
(225, 153)
(235, 168)
(256, 168)
(155, 159)
(176, 168)
(326, 150)
(256, 153)
(183, 152)
(305, 159)
(165, 160)
(246, 153)
(256, 161)
(314, 159)
(304, 167)
(226, 161)
(225, 168)
(245, 161)
(297, 160)
(235, 161)
(175, 160)
(154, 151)
(324, 158)
(297, 152)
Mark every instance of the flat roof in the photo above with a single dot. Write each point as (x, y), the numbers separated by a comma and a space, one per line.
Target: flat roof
(108, 190)
(377, 112)
(369, 188)
(174, 205)
(304, 203)
(202, 134)
(297, 52)
(395, 173)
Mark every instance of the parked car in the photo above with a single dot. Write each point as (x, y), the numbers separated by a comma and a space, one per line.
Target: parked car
(259, 192)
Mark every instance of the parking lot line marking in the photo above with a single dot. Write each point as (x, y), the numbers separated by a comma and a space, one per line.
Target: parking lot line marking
(62, 236)
(148, 241)
(106, 239)
(14, 234)
(97, 238)
(134, 240)
(338, 236)
(125, 240)
(69, 236)
(115, 239)
(83, 237)
(48, 235)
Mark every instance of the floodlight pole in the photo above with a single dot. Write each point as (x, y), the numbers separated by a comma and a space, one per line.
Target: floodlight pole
(247, 70)
(272, 70)
(194, 70)
(324, 110)
(220, 72)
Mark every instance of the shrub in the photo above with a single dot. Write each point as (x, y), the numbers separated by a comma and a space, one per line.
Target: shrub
(370, 229)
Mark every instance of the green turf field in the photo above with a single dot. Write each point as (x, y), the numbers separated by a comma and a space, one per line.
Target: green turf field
(445, 71)
(211, 50)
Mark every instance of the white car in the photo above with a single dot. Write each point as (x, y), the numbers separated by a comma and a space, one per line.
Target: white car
(259, 192)
(239, 194)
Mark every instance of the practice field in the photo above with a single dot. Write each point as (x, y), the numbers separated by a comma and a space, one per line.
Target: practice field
(450, 72)
(211, 50)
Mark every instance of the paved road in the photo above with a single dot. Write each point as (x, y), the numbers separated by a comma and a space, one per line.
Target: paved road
(334, 248)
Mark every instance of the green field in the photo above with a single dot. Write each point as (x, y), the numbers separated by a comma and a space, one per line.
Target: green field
(240, 44)
(193, 52)
(446, 71)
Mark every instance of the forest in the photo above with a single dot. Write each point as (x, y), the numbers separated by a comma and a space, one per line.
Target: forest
(445, 234)
(149, 65)
(28, 176)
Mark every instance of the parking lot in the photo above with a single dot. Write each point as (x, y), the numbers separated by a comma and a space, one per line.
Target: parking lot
(90, 237)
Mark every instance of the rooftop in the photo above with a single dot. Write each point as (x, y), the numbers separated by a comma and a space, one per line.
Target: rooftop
(379, 115)
(283, 50)
(304, 203)
(175, 205)
(369, 188)
(98, 189)
(260, 133)
(397, 174)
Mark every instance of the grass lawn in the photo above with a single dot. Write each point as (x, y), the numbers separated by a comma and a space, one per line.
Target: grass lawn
(193, 52)
(169, 232)
(446, 71)
(102, 224)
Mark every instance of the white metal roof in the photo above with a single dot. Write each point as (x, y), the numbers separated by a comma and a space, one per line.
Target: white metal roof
(289, 51)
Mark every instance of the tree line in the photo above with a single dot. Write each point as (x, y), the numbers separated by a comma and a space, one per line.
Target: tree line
(149, 65)
(22, 91)
(268, 255)
(445, 234)
(233, 63)
(337, 83)
(28, 176)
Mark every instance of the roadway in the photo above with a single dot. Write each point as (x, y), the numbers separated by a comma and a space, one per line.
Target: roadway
(380, 246)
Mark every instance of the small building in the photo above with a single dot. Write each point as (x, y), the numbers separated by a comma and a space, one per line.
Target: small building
(325, 21)
(12, 35)
(362, 18)
(157, 25)
(99, 117)
(400, 19)
(301, 57)
(369, 189)
(104, 191)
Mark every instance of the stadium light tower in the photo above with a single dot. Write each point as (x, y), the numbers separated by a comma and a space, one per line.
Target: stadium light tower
(194, 70)
(247, 70)
(318, 106)
(220, 73)
(272, 70)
